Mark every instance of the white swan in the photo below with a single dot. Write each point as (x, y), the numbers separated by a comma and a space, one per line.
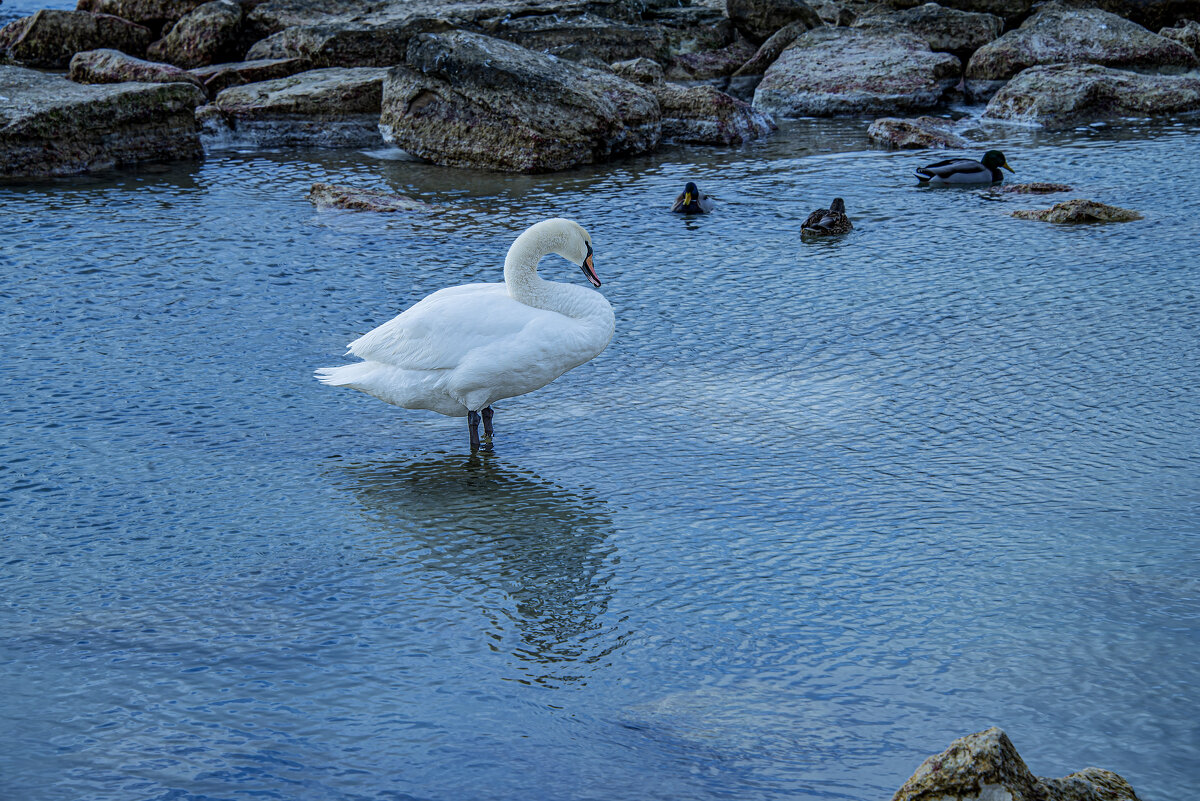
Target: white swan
(463, 348)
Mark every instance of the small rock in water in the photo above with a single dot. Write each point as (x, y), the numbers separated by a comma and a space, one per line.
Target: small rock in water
(986, 765)
(919, 133)
(1034, 188)
(1079, 211)
(340, 196)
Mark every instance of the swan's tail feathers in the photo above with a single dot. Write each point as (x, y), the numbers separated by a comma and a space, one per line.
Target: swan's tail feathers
(348, 375)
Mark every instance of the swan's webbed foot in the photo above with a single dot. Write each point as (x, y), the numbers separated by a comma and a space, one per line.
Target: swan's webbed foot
(487, 421)
(473, 427)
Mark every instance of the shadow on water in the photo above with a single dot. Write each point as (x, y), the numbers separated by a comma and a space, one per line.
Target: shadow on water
(499, 528)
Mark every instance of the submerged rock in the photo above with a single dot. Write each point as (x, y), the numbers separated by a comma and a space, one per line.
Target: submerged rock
(945, 30)
(216, 77)
(332, 107)
(1187, 33)
(1060, 34)
(758, 19)
(51, 126)
(51, 38)
(341, 196)
(986, 765)
(1062, 96)
(914, 134)
(467, 100)
(1033, 188)
(113, 66)
(706, 116)
(206, 35)
(1079, 211)
(854, 71)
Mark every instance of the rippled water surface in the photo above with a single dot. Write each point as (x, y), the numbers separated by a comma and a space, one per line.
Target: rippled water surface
(818, 510)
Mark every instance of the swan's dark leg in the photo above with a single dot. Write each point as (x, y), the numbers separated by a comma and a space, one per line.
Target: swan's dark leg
(487, 421)
(473, 426)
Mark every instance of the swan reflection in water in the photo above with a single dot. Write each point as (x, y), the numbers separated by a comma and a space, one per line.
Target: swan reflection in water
(540, 545)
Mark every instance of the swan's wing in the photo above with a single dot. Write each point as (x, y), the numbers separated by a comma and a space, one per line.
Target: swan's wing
(440, 330)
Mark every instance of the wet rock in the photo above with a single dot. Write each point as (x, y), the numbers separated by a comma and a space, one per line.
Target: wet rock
(216, 77)
(467, 100)
(333, 107)
(1078, 211)
(710, 64)
(986, 765)
(51, 38)
(113, 66)
(1186, 33)
(586, 38)
(639, 70)
(51, 126)
(758, 19)
(1060, 96)
(855, 71)
(1033, 188)
(914, 134)
(706, 116)
(946, 30)
(1059, 34)
(206, 35)
(154, 14)
(341, 196)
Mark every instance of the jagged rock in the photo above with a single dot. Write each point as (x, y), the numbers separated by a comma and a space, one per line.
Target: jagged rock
(709, 64)
(639, 70)
(51, 38)
(916, 134)
(706, 116)
(758, 19)
(834, 13)
(1033, 188)
(1059, 34)
(1060, 96)
(113, 66)
(51, 126)
(768, 52)
(1186, 33)
(855, 71)
(985, 766)
(154, 14)
(208, 34)
(340, 196)
(216, 77)
(1008, 9)
(946, 30)
(468, 100)
(333, 107)
(586, 38)
(1152, 14)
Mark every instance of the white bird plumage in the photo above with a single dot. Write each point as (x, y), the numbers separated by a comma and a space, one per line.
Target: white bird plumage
(465, 347)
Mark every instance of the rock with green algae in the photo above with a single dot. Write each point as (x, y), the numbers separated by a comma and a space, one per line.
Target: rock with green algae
(985, 766)
(467, 100)
(51, 126)
(1079, 211)
(353, 198)
(50, 38)
(113, 66)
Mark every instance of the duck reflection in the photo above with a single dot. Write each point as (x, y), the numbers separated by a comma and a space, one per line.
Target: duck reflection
(502, 528)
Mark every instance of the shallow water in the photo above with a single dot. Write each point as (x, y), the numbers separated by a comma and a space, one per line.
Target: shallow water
(818, 510)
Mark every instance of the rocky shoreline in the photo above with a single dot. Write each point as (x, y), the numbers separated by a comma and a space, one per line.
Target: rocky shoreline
(542, 85)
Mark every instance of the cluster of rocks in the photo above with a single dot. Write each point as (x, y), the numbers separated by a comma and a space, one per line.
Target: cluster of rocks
(532, 85)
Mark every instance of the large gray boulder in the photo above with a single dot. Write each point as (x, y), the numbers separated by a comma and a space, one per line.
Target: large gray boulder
(1060, 34)
(758, 19)
(113, 66)
(986, 765)
(467, 100)
(833, 71)
(216, 77)
(208, 34)
(50, 38)
(332, 107)
(51, 126)
(946, 30)
(1060, 96)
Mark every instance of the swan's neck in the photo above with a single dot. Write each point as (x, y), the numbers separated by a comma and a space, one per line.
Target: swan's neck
(522, 279)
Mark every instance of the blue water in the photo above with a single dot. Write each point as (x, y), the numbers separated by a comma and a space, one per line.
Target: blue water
(818, 510)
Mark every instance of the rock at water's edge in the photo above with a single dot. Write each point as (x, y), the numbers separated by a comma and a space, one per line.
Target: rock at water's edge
(340, 196)
(706, 116)
(50, 38)
(914, 134)
(1078, 211)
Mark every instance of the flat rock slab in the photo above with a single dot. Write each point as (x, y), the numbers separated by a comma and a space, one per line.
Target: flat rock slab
(51, 126)
(1061, 34)
(914, 134)
(1061, 96)
(704, 115)
(945, 30)
(353, 198)
(50, 38)
(333, 107)
(467, 100)
(830, 71)
(217, 77)
(113, 66)
(1079, 211)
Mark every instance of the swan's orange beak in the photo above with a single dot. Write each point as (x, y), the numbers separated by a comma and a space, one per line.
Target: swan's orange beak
(589, 268)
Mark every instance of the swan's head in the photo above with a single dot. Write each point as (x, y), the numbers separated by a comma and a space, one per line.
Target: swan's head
(575, 245)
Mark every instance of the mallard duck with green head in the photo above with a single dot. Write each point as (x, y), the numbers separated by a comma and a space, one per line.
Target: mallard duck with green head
(966, 171)
(692, 201)
(827, 222)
